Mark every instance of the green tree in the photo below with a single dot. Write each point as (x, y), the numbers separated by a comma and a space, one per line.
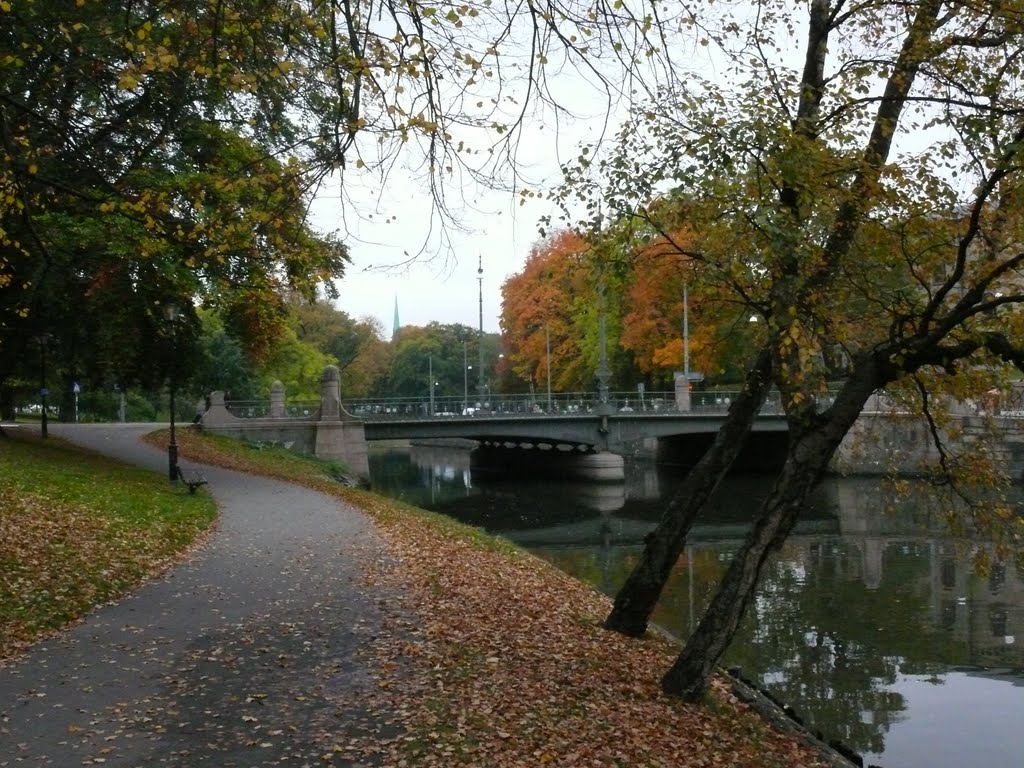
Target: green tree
(139, 165)
(451, 350)
(362, 374)
(223, 364)
(357, 346)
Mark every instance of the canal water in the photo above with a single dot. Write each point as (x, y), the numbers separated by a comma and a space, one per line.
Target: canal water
(870, 621)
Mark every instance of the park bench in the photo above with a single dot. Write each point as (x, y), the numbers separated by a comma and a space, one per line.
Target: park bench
(192, 478)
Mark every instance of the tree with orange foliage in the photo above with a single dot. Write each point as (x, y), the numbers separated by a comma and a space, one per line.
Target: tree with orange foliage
(541, 308)
(556, 294)
(652, 325)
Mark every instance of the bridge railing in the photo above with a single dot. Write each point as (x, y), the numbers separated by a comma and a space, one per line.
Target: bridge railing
(248, 409)
(513, 406)
(518, 405)
(260, 409)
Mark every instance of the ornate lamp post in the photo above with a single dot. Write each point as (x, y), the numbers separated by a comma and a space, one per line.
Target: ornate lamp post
(547, 349)
(43, 389)
(686, 333)
(171, 315)
(683, 392)
(430, 373)
(604, 374)
(466, 368)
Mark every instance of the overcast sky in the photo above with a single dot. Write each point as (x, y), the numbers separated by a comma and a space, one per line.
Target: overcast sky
(439, 285)
(441, 282)
(388, 223)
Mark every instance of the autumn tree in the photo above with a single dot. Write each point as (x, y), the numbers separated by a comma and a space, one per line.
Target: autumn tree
(551, 312)
(170, 149)
(555, 297)
(864, 204)
(665, 291)
(540, 312)
(142, 162)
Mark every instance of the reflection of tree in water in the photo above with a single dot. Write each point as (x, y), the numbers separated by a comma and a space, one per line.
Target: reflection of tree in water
(813, 625)
(836, 648)
(816, 628)
(434, 478)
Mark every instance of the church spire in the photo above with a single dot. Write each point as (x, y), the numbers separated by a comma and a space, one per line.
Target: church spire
(397, 323)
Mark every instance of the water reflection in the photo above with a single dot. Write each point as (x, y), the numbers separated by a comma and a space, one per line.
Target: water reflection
(869, 621)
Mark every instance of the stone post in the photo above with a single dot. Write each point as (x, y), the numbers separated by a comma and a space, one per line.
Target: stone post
(330, 394)
(217, 413)
(682, 392)
(277, 408)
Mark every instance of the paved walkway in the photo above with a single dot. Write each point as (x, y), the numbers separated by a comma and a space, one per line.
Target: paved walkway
(245, 655)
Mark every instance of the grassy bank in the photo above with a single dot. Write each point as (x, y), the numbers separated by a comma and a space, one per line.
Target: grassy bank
(78, 530)
(494, 658)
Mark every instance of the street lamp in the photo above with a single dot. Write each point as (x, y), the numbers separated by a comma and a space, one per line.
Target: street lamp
(604, 373)
(171, 315)
(686, 334)
(547, 347)
(466, 368)
(480, 331)
(43, 390)
(430, 372)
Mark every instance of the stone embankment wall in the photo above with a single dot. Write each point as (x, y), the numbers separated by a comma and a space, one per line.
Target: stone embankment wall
(331, 433)
(892, 443)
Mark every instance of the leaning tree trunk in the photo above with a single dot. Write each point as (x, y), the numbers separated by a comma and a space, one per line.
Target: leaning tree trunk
(806, 462)
(638, 596)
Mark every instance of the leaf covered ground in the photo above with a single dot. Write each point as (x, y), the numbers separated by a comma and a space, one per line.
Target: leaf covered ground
(502, 661)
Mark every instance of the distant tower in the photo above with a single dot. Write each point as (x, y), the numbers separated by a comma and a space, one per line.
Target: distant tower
(398, 325)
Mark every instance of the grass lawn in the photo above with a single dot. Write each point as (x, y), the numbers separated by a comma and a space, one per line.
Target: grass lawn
(78, 530)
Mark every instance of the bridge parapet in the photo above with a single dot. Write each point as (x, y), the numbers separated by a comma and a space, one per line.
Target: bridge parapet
(324, 429)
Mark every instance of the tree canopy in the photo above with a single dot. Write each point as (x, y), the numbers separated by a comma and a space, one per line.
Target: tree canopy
(169, 149)
(555, 303)
(143, 162)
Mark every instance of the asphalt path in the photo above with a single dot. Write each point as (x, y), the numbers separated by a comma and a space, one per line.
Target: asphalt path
(253, 652)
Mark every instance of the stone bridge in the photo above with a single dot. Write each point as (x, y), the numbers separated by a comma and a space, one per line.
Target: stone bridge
(613, 432)
(591, 443)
